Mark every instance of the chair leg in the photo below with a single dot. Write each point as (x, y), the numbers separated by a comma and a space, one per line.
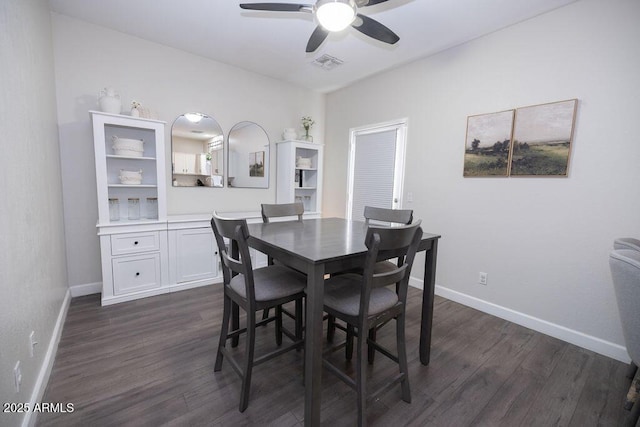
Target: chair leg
(298, 320)
(248, 361)
(632, 417)
(224, 331)
(265, 314)
(279, 325)
(361, 377)
(348, 349)
(631, 372)
(235, 323)
(402, 358)
(371, 351)
(331, 327)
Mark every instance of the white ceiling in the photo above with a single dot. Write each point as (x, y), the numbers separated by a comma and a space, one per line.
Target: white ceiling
(273, 43)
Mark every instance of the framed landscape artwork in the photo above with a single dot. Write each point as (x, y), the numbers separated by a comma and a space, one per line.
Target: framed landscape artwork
(488, 144)
(542, 136)
(256, 164)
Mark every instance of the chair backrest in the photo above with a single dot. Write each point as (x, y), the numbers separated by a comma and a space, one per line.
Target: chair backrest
(282, 209)
(626, 243)
(236, 231)
(386, 243)
(396, 216)
(625, 271)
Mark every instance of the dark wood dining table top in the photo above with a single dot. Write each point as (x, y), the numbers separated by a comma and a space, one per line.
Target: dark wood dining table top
(323, 240)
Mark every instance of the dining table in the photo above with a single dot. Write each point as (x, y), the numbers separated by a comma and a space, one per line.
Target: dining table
(324, 246)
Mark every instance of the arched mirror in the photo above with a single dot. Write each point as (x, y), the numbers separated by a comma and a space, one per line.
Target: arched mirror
(197, 151)
(248, 153)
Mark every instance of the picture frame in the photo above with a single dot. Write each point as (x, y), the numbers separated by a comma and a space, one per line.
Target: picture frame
(488, 144)
(542, 139)
(256, 164)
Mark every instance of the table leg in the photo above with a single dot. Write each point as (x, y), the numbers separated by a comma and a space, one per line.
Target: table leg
(428, 292)
(313, 345)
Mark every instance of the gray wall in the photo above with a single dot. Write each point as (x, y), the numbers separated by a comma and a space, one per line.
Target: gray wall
(543, 241)
(33, 278)
(170, 82)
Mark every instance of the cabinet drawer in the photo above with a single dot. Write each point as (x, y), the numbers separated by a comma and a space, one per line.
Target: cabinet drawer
(136, 273)
(122, 244)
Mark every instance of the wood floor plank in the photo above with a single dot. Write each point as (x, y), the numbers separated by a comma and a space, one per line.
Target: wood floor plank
(557, 401)
(150, 362)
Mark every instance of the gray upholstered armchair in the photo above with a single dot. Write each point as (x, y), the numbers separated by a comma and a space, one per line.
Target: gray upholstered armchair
(625, 271)
(627, 243)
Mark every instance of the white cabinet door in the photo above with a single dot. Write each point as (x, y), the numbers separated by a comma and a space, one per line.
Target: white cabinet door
(196, 255)
(184, 163)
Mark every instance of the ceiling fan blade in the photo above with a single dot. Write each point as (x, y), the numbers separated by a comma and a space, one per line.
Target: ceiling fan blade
(316, 39)
(374, 29)
(363, 3)
(275, 7)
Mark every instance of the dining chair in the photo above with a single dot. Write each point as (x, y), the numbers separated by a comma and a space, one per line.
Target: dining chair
(365, 301)
(375, 216)
(625, 272)
(252, 290)
(281, 210)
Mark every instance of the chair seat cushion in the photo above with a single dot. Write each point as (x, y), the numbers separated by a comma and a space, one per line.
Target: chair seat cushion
(342, 294)
(271, 283)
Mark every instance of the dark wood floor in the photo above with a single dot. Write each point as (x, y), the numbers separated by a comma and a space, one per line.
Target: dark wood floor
(150, 363)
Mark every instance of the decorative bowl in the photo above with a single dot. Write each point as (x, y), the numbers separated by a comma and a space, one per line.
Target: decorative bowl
(127, 147)
(130, 177)
(303, 162)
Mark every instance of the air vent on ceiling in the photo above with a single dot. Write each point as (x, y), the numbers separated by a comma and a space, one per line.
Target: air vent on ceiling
(327, 62)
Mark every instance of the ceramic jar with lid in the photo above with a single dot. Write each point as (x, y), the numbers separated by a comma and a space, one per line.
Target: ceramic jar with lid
(289, 134)
(109, 101)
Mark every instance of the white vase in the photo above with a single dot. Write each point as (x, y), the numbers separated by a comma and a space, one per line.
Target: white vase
(135, 112)
(109, 101)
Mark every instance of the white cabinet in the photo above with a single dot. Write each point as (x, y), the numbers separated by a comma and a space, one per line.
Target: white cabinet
(193, 254)
(299, 174)
(134, 261)
(191, 164)
(133, 251)
(184, 163)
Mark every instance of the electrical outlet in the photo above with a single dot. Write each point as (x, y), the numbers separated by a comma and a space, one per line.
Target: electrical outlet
(17, 375)
(409, 197)
(482, 278)
(32, 343)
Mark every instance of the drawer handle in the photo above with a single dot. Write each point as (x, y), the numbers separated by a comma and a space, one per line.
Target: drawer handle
(135, 243)
(137, 274)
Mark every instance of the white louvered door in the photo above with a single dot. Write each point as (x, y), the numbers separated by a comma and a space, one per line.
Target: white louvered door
(376, 168)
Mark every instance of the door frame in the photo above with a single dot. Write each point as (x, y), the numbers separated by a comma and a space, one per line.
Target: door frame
(400, 126)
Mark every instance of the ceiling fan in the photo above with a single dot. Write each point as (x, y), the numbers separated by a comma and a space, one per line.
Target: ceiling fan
(333, 16)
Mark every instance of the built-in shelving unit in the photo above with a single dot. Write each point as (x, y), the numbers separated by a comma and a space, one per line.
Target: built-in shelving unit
(299, 174)
(108, 166)
(133, 243)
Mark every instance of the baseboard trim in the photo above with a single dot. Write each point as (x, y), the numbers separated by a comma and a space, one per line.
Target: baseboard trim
(42, 380)
(85, 289)
(598, 345)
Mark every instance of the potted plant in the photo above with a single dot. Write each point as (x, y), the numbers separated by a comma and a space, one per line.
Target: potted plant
(307, 123)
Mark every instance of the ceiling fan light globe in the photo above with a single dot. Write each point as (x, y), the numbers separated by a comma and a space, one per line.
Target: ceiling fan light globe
(335, 15)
